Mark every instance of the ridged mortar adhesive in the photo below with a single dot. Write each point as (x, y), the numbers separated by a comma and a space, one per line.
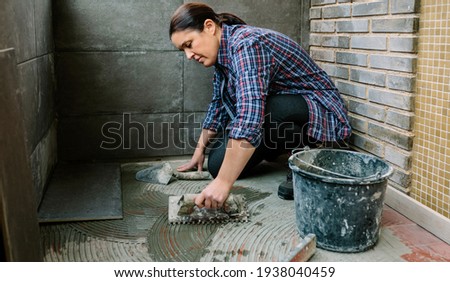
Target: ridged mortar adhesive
(189, 242)
(270, 236)
(145, 235)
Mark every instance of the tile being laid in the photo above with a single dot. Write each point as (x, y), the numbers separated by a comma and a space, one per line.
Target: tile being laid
(80, 192)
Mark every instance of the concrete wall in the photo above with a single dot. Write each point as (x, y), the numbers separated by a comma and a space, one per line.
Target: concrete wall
(26, 27)
(370, 49)
(123, 90)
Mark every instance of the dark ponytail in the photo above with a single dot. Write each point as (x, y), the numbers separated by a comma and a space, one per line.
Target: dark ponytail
(230, 19)
(194, 15)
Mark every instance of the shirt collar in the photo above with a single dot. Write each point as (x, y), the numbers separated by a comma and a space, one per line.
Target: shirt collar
(222, 56)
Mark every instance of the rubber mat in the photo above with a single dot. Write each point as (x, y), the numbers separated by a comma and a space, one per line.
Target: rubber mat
(144, 233)
(83, 192)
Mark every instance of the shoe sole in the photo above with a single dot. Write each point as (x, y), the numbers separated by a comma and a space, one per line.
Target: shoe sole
(284, 192)
(285, 196)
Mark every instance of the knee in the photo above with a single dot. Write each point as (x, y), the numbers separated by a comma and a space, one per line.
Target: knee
(215, 158)
(213, 167)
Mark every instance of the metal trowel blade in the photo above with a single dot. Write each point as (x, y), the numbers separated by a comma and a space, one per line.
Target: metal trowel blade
(156, 174)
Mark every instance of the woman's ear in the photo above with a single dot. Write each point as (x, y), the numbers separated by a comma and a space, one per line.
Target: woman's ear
(210, 26)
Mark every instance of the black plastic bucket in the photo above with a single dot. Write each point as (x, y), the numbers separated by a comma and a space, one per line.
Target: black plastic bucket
(339, 197)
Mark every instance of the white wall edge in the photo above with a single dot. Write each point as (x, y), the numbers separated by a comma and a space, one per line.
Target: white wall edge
(422, 215)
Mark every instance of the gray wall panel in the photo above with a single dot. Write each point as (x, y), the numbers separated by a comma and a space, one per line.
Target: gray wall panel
(8, 32)
(282, 16)
(116, 82)
(37, 97)
(44, 27)
(198, 87)
(25, 27)
(18, 216)
(125, 136)
(113, 25)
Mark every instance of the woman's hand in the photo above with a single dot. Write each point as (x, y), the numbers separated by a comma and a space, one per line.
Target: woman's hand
(198, 158)
(196, 162)
(214, 195)
(237, 154)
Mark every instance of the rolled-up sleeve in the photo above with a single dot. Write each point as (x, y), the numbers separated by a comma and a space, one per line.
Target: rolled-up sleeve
(251, 66)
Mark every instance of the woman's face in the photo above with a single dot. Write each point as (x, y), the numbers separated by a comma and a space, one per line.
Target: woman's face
(200, 46)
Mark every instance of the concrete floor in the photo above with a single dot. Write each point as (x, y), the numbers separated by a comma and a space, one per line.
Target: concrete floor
(144, 234)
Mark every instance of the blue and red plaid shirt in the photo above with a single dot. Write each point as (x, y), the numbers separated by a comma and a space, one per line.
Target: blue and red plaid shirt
(260, 62)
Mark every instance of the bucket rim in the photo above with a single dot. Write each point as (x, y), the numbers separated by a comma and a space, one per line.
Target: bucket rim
(341, 180)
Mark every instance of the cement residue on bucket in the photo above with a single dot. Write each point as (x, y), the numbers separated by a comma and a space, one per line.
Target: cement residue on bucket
(339, 196)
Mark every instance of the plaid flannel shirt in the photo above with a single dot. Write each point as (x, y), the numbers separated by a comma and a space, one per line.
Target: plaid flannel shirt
(255, 63)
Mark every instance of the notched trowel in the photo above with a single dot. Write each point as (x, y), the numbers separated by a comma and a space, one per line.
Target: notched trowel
(182, 210)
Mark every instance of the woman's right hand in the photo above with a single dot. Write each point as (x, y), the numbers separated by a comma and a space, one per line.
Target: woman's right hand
(196, 162)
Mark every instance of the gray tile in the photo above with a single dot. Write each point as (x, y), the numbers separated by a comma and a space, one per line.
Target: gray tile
(26, 33)
(37, 98)
(28, 84)
(282, 16)
(19, 215)
(116, 82)
(42, 161)
(44, 27)
(192, 128)
(125, 136)
(113, 25)
(46, 92)
(8, 36)
(198, 86)
(80, 192)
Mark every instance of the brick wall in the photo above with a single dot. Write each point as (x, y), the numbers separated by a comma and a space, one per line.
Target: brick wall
(370, 50)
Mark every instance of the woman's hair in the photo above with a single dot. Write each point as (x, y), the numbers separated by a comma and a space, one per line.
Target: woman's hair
(193, 16)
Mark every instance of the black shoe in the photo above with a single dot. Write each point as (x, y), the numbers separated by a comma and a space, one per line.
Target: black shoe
(286, 188)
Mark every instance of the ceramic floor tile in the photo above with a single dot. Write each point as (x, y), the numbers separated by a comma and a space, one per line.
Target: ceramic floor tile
(439, 252)
(414, 235)
(391, 217)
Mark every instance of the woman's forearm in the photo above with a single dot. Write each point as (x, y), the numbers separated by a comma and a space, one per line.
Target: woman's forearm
(205, 139)
(238, 153)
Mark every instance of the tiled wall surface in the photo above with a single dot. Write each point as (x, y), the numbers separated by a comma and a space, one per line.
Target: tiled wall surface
(369, 48)
(431, 163)
(26, 27)
(123, 90)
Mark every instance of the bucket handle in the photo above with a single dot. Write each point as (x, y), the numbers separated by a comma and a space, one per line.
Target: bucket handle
(297, 150)
(376, 176)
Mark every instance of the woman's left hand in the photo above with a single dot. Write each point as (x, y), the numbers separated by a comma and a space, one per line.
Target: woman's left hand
(214, 195)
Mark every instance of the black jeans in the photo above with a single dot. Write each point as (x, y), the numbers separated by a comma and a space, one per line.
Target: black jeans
(285, 128)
